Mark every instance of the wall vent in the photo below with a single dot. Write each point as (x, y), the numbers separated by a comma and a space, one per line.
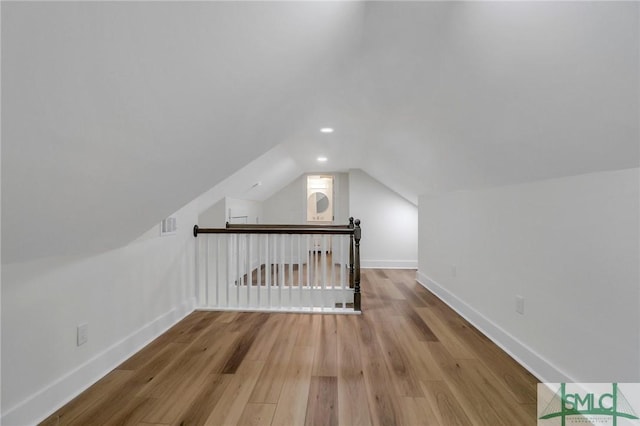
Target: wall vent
(168, 226)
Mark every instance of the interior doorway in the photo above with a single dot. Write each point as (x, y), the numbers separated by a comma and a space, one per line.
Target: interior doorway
(320, 199)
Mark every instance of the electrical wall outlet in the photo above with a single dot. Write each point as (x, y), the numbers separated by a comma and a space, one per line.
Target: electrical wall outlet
(82, 334)
(520, 305)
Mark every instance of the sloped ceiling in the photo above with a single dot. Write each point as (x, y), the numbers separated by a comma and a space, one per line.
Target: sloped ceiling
(454, 95)
(115, 114)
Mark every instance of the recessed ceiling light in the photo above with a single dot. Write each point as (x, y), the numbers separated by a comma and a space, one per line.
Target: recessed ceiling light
(322, 159)
(326, 130)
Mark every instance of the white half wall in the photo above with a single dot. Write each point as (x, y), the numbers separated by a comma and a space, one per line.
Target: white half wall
(568, 246)
(389, 223)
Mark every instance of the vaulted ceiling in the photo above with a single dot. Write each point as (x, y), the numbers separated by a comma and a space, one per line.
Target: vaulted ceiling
(116, 114)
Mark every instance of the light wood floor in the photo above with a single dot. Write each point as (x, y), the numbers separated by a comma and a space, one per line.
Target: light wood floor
(407, 360)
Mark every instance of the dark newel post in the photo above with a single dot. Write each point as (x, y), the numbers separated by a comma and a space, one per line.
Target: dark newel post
(356, 288)
(351, 226)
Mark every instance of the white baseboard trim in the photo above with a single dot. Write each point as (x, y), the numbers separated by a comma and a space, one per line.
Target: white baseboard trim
(544, 370)
(41, 404)
(389, 264)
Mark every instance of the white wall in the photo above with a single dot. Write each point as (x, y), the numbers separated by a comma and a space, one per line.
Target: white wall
(287, 205)
(389, 223)
(238, 207)
(0, 264)
(214, 216)
(219, 214)
(127, 296)
(569, 246)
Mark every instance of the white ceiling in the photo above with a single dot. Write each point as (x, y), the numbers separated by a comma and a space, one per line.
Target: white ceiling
(116, 114)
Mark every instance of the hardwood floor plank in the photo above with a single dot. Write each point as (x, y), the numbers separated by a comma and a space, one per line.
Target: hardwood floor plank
(468, 391)
(410, 296)
(417, 411)
(231, 405)
(182, 380)
(322, 405)
(269, 384)
(519, 381)
(183, 332)
(202, 357)
(407, 360)
(263, 344)
(257, 414)
(147, 375)
(131, 413)
(383, 404)
(385, 288)
(115, 401)
(169, 407)
(403, 372)
(352, 391)
(292, 403)
(494, 391)
(401, 277)
(249, 332)
(380, 273)
(374, 297)
(325, 361)
(201, 406)
(309, 330)
(96, 395)
(190, 334)
(423, 331)
(445, 405)
(423, 365)
(450, 341)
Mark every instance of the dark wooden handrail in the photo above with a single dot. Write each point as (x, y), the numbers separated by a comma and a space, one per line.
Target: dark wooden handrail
(259, 230)
(275, 225)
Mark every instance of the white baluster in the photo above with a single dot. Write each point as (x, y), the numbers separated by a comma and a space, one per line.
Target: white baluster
(249, 279)
(308, 255)
(206, 269)
(323, 258)
(300, 265)
(217, 270)
(238, 276)
(280, 252)
(290, 238)
(197, 272)
(229, 266)
(268, 269)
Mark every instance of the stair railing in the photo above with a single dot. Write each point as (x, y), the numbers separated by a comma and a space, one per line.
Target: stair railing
(290, 268)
